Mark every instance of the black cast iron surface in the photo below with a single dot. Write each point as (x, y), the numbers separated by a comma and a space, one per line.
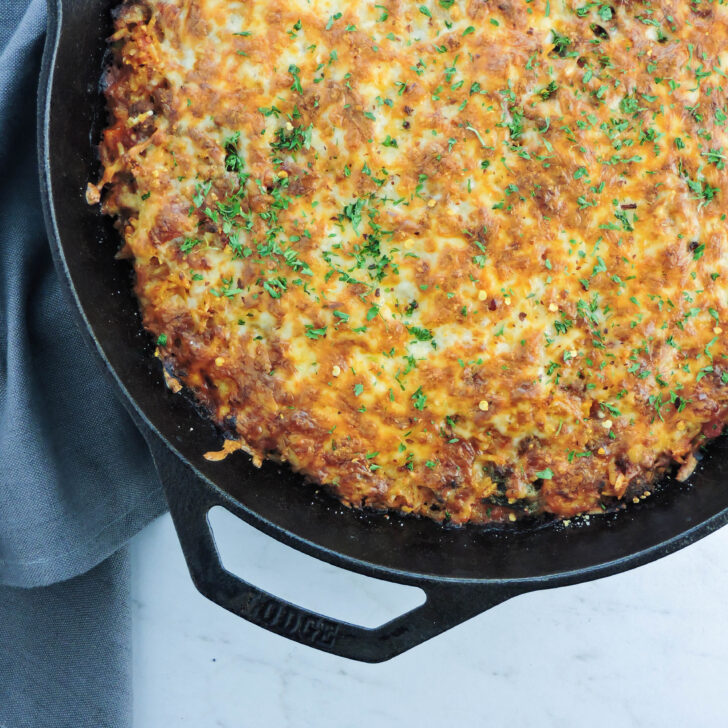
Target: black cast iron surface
(463, 571)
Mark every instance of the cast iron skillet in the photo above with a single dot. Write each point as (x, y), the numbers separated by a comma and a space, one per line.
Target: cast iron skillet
(462, 571)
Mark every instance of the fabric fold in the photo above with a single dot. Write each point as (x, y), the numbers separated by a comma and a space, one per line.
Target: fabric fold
(77, 478)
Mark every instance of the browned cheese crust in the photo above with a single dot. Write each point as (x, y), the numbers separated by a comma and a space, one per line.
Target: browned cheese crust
(464, 259)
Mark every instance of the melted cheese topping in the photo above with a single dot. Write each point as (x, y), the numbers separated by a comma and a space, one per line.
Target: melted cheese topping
(458, 258)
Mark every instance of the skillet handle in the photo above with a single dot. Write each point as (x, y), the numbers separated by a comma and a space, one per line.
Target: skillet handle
(447, 605)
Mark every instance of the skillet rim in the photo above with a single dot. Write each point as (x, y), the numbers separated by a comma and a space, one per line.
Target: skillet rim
(306, 545)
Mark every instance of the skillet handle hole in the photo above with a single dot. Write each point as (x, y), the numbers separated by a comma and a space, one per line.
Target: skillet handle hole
(305, 580)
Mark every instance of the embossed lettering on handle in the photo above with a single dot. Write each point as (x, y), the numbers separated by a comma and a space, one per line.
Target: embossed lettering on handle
(287, 620)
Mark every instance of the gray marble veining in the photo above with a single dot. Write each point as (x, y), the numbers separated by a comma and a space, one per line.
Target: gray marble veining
(644, 648)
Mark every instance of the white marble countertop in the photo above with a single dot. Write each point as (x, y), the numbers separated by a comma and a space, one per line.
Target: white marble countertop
(645, 648)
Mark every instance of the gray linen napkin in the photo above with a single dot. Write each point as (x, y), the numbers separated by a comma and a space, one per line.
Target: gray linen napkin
(65, 651)
(76, 477)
